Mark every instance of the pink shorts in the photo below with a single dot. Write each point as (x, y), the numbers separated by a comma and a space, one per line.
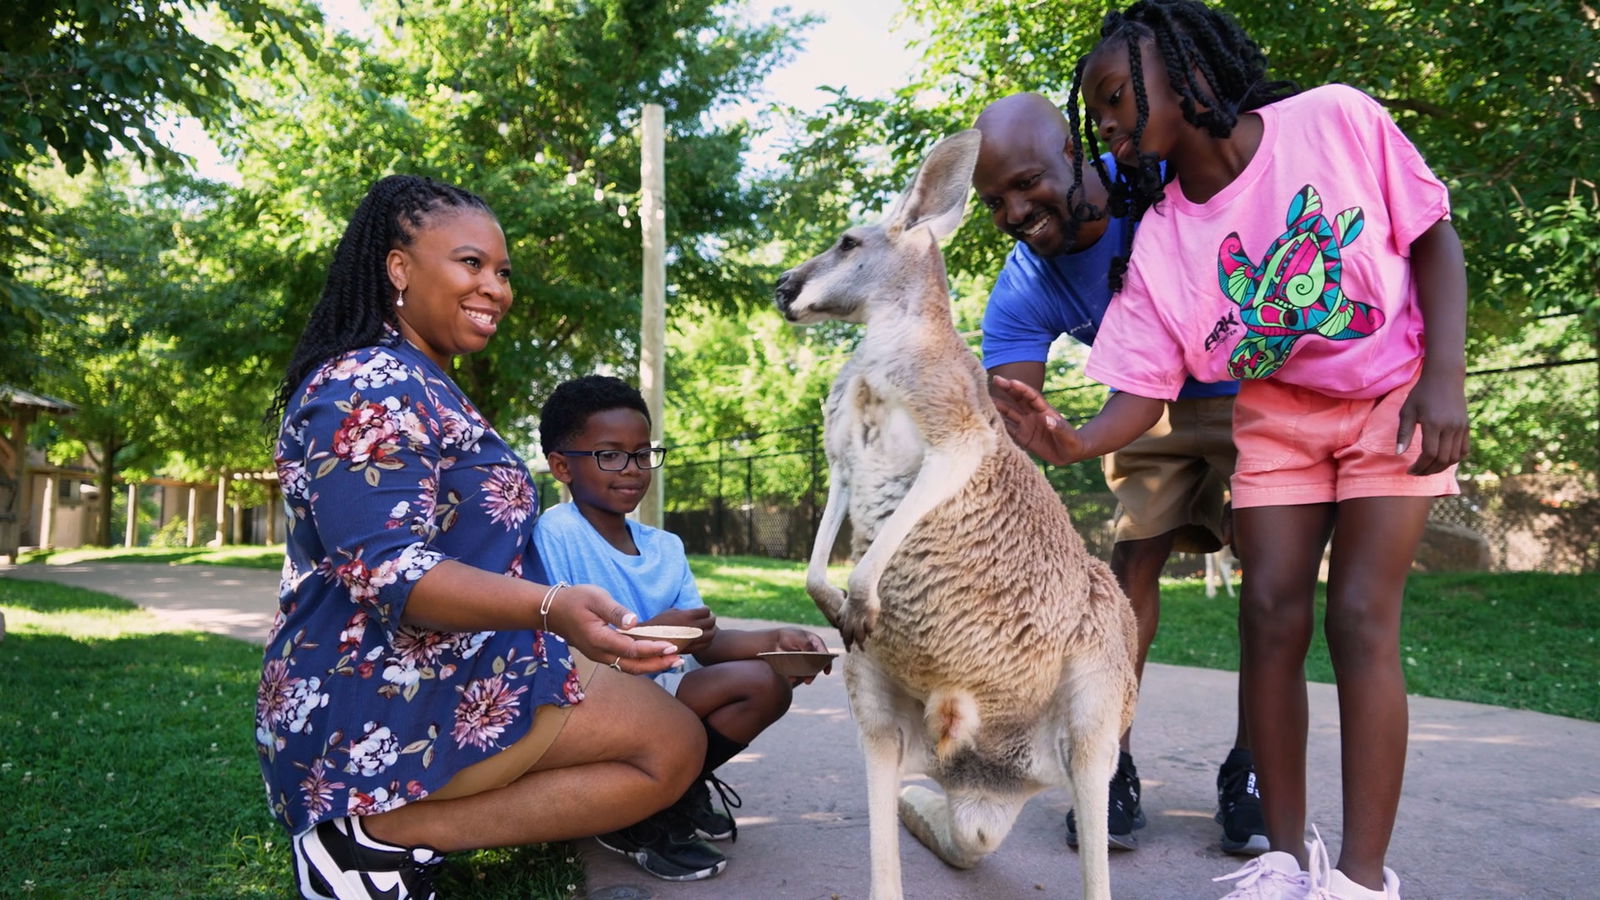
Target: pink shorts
(1298, 446)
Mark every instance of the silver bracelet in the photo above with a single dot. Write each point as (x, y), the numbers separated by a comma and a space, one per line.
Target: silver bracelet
(548, 601)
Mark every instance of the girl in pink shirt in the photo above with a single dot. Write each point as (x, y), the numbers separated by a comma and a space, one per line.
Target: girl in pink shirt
(1303, 247)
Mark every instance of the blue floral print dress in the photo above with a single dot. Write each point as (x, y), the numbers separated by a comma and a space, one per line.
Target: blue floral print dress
(388, 470)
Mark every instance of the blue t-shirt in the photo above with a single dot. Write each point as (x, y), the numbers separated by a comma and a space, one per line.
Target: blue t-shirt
(1037, 299)
(656, 580)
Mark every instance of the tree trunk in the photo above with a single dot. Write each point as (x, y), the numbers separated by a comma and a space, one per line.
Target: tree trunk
(108, 484)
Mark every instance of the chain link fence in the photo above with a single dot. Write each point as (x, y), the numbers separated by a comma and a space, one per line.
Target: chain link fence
(750, 494)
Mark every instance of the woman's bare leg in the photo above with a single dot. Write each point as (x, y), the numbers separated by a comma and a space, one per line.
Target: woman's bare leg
(628, 750)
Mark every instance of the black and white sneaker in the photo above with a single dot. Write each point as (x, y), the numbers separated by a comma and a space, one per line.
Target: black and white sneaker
(666, 846)
(1244, 829)
(709, 824)
(1124, 815)
(337, 860)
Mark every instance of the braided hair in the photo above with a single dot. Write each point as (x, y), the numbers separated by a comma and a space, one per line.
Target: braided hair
(1190, 36)
(566, 413)
(358, 299)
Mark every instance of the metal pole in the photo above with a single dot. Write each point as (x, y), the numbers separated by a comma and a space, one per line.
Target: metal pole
(222, 509)
(47, 523)
(131, 535)
(652, 323)
(193, 522)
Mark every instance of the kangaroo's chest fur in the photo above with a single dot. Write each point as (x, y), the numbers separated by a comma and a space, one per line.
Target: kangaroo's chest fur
(988, 588)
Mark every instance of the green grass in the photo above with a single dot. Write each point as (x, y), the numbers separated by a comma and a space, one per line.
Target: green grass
(251, 557)
(1524, 640)
(128, 766)
(1521, 639)
(757, 587)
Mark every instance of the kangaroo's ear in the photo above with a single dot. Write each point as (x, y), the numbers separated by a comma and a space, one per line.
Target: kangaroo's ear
(937, 195)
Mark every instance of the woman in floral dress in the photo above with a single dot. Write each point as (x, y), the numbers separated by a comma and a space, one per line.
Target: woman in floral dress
(423, 690)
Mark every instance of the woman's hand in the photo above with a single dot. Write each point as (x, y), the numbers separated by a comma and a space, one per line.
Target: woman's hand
(800, 640)
(584, 614)
(700, 617)
(1036, 425)
(1438, 403)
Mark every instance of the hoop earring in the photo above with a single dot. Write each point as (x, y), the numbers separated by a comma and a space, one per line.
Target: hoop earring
(400, 299)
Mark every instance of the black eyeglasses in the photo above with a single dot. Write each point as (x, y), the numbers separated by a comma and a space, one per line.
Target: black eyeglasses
(617, 460)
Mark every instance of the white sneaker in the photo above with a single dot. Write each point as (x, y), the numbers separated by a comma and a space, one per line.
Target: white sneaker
(1270, 876)
(1328, 883)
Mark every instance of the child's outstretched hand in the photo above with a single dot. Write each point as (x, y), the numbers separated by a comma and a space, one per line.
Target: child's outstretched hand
(700, 617)
(1438, 403)
(1036, 425)
(800, 640)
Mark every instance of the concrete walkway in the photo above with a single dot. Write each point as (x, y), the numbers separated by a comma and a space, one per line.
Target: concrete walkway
(1497, 803)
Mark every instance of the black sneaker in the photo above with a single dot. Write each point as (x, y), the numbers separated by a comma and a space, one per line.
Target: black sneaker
(337, 861)
(709, 824)
(1123, 815)
(1244, 830)
(666, 846)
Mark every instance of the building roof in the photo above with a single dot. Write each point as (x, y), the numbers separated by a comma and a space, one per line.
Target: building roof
(17, 397)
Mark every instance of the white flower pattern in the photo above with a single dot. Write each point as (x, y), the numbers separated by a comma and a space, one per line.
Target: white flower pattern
(385, 469)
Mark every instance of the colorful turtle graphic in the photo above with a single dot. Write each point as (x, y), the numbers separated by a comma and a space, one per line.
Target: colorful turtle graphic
(1296, 289)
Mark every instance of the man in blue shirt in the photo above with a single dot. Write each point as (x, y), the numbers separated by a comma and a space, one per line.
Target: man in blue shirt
(1170, 484)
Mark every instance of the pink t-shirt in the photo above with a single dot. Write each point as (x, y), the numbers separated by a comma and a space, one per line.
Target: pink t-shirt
(1298, 270)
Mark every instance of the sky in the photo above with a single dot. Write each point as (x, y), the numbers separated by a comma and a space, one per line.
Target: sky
(854, 47)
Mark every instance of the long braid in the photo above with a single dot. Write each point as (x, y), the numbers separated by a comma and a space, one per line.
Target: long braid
(1190, 37)
(1131, 192)
(1084, 137)
(1080, 209)
(358, 299)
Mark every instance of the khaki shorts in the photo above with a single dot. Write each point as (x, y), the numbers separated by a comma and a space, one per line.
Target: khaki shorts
(1174, 477)
(518, 759)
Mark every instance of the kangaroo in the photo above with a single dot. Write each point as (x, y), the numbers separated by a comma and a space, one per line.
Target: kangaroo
(987, 648)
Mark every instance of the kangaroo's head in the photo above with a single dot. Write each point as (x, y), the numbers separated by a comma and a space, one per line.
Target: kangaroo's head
(895, 262)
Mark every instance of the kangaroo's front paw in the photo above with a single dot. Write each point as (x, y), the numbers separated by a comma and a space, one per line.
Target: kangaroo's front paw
(857, 623)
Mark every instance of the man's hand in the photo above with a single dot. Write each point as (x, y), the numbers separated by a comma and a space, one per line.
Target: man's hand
(701, 618)
(1438, 403)
(1034, 424)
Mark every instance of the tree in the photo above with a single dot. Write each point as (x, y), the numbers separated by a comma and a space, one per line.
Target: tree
(105, 272)
(85, 81)
(534, 106)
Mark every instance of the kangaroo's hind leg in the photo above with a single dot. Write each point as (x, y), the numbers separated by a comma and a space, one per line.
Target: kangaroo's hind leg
(1096, 699)
(962, 827)
(883, 715)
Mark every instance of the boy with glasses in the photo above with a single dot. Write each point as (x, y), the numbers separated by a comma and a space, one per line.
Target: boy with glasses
(595, 432)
